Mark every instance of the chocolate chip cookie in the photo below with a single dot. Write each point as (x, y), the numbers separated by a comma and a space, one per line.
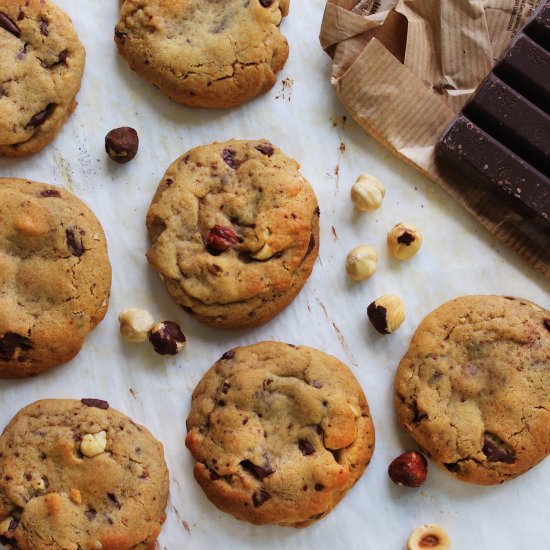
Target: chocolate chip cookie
(234, 231)
(41, 66)
(80, 475)
(55, 276)
(219, 53)
(280, 433)
(473, 389)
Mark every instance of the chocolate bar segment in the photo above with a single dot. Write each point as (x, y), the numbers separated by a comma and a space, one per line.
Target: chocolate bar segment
(526, 67)
(501, 139)
(475, 153)
(514, 120)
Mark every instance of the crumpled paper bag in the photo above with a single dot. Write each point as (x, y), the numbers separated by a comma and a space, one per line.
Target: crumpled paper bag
(404, 68)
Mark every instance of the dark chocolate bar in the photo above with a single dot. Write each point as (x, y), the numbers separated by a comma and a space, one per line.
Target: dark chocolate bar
(501, 139)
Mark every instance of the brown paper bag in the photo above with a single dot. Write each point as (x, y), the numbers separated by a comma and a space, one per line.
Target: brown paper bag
(404, 68)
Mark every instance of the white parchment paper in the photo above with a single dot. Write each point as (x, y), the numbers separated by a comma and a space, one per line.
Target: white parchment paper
(302, 116)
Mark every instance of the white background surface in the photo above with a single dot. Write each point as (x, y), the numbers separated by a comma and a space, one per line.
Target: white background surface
(305, 119)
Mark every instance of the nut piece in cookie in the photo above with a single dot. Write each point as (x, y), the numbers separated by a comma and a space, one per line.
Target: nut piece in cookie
(280, 433)
(404, 241)
(41, 66)
(249, 237)
(367, 193)
(429, 536)
(122, 144)
(55, 276)
(135, 324)
(167, 338)
(79, 475)
(472, 389)
(217, 57)
(386, 313)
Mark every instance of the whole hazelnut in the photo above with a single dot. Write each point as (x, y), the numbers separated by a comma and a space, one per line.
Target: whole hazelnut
(429, 536)
(121, 144)
(404, 241)
(367, 193)
(167, 338)
(409, 469)
(386, 313)
(135, 324)
(362, 262)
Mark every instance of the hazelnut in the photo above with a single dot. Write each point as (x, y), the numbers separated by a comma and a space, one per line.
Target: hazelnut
(135, 324)
(362, 262)
(220, 239)
(367, 193)
(409, 469)
(121, 144)
(429, 536)
(386, 313)
(75, 496)
(266, 251)
(167, 338)
(404, 241)
(93, 444)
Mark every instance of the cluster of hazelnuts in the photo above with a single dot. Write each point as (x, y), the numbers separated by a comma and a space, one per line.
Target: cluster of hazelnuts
(138, 326)
(387, 313)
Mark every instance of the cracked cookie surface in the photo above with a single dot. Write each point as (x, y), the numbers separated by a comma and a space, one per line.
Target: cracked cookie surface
(234, 231)
(41, 66)
(280, 433)
(219, 53)
(473, 389)
(55, 276)
(53, 497)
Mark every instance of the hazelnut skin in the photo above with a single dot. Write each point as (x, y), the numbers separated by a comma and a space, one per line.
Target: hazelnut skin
(122, 144)
(167, 338)
(409, 469)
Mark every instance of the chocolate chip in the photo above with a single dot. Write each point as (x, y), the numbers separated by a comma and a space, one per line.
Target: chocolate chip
(97, 403)
(122, 144)
(39, 118)
(259, 497)
(266, 3)
(9, 343)
(317, 211)
(213, 475)
(547, 324)
(319, 486)
(225, 387)
(265, 149)
(7, 24)
(228, 156)
(115, 500)
(259, 472)
(311, 244)
(50, 193)
(377, 315)
(75, 246)
(120, 35)
(228, 355)
(406, 238)
(3, 92)
(20, 15)
(91, 514)
(497, 450)
(13, 525)
(62, 57)
(306, 447)
(168, 181)
(44, 27)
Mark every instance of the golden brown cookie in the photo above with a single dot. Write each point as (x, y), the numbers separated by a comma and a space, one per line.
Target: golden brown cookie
(473, 389)
(41, 66)
(234, 231)
(55, 276)
(219, 53)
(80, 475)
(280, 433)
